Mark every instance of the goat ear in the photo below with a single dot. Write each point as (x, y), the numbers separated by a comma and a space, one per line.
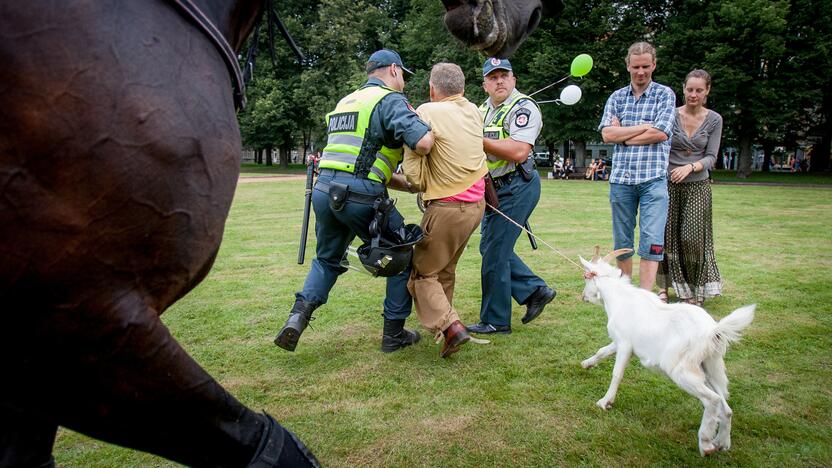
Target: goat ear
(586, 264)
(615, 254)
(597, 255)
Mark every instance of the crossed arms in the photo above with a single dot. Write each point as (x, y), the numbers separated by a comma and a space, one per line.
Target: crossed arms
(644, 134)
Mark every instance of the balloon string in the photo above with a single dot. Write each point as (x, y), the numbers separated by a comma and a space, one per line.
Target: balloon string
(549, 86)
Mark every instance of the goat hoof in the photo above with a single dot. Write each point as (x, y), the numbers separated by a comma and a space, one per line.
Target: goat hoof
(587, 364)
(705, 451)
(604, 404)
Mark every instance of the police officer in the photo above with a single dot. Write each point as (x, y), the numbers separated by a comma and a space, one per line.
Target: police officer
(366, 132)
(512, 122)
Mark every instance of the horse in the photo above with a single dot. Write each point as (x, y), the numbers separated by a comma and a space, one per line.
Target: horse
(496, 27)
(119, 157)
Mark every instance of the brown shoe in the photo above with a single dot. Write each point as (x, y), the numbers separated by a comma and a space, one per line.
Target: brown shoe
(455, 336)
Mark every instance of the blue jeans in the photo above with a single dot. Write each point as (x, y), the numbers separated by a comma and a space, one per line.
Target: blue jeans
(648, 199)
(504, 275)
(335, 230)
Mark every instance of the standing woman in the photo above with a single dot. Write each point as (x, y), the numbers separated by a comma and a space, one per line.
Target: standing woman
(689, 265)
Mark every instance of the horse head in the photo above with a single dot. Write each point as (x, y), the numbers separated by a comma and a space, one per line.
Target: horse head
(497, 27)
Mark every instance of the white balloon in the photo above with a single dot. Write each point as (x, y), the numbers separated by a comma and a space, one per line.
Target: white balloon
(570, 95)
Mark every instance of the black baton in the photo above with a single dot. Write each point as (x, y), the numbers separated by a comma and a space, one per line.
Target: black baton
(307, 204)
(532, 240)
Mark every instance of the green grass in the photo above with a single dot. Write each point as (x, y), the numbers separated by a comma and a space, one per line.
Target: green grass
(799, 178)
(522, 400)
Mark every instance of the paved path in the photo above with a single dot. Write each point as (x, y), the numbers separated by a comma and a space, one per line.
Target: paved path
(271, 178)
(247, 179)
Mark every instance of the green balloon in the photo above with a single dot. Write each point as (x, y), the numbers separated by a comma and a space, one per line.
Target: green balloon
(581, 65)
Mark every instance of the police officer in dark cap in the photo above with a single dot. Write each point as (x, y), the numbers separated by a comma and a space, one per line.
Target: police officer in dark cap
(512, 122)
(365, 137)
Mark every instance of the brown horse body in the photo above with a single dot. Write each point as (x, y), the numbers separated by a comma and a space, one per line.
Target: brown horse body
(119, 156)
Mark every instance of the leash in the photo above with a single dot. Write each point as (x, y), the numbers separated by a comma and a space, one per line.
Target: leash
(535, 236)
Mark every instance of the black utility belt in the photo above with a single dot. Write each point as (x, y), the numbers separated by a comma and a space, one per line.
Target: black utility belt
(341, 193)
(503, 179)
(523, 170)
(334, 172)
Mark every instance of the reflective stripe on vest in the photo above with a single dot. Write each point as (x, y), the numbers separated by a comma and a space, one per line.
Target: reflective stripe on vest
(496, 130)
(347, 128)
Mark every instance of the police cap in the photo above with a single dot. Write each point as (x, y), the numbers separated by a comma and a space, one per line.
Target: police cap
(494, 63)
(383, 58)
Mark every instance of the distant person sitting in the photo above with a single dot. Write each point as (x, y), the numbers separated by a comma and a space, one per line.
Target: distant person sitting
(600, 170)
(568, 168)
(557, 168)
(590, 171)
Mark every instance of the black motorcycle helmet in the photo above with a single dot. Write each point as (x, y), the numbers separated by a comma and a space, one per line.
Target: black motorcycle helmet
(385, 257)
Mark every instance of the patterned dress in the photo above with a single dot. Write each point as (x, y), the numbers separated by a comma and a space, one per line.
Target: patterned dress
(689, 265)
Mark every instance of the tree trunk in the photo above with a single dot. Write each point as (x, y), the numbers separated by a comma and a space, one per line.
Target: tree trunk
(258, 156)
(821, 151)
(269, 155)
(307, 143)
(285, 151)
(768, 149)
(551, 148)
(745, 157)
(580, 153)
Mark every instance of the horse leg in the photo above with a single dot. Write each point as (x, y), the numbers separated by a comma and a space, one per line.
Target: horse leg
(25, 439)
(111, 370)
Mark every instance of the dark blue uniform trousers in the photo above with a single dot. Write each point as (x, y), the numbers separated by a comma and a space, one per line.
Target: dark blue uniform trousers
(335, 230)
(504, 275)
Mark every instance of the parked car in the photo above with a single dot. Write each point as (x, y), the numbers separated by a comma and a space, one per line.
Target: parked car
(541, 159)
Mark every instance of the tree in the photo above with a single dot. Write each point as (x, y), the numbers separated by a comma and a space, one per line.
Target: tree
(748, 38)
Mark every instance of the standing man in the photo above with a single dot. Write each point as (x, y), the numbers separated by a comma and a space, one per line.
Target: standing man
(639, 120)
(366, 132)
(512, 122)
(451, 177)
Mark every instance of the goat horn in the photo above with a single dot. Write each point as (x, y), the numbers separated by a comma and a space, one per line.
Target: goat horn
(597, 255)
(616, 253)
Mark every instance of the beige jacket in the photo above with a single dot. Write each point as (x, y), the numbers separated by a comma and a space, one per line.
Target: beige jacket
(457, 160)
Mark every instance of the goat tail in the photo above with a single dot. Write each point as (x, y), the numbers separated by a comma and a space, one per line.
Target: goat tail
(728, 330)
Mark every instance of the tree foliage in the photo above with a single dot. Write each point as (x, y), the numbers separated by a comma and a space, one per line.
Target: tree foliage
(770, 63)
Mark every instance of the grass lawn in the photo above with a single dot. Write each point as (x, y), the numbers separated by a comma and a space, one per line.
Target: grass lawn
(823, 178)
(522, 400)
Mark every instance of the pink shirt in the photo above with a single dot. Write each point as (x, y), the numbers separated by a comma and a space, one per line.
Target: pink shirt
(474, 193)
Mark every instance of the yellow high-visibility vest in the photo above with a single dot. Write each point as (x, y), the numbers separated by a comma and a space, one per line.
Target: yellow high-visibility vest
(495, 130)
(347, 128)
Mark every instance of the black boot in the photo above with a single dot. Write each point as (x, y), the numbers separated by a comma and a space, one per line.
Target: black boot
(279, 447)
(299, 317)
(396, 336)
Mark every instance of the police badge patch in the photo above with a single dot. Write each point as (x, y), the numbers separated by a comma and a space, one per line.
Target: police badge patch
(521, 118)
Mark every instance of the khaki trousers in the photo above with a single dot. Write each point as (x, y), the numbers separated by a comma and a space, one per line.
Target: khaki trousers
(447, 226)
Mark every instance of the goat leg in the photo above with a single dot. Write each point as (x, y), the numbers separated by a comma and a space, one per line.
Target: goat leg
(622, 357)
(602, 353)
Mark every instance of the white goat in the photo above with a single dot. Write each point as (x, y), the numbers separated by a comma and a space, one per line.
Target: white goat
(680, 339)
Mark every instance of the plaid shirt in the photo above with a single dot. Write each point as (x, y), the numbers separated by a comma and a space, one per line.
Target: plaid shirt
(632, 165)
